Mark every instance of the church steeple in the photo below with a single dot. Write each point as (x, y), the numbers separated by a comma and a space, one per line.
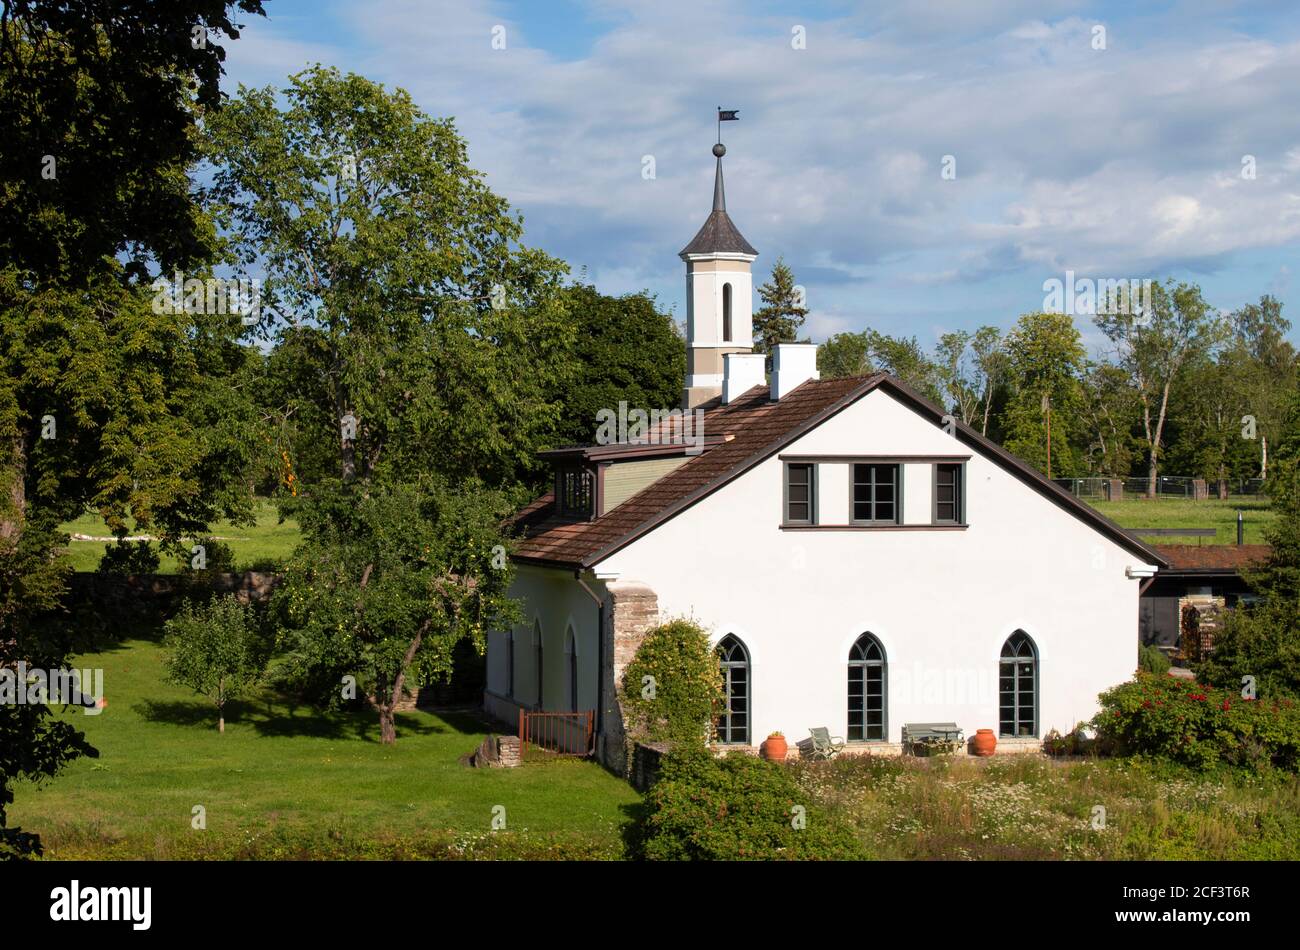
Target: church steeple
(718, 235)
(719, 296)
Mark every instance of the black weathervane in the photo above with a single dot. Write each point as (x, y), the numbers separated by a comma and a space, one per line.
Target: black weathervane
(724, 115)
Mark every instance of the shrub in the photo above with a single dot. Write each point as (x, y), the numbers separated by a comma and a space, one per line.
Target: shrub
(1152, 659)
(218, 557)
(736, 808)
(1262, 641)
(215, 649)
(1198, 725)
(1074, 742)
(684, 690)
(129, 557)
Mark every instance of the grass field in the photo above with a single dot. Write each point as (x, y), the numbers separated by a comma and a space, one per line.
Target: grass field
(1184, 513)
(267, 541)
(1029, 807)
(292, 782)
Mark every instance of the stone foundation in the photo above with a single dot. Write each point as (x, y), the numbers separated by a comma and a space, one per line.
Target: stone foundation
(891, 750)
(497, 752)
(631, 611)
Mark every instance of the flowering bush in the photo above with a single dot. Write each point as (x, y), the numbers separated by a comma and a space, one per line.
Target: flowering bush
(672, 689)
(738, 808)
(1198, 725)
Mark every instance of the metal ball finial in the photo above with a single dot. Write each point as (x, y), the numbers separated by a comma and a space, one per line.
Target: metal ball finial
(719, 150)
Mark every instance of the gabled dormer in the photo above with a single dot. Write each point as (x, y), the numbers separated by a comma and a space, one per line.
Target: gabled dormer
(590, 481)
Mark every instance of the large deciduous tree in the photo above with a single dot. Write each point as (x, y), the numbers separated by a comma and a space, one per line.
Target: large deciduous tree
(625, 348)
(416, 337)
(388, 580)
(1153, 346)
(97, 106)
(104, 403)
(429, 339)
(1262, 641)
(1045, 360)
(869, 351)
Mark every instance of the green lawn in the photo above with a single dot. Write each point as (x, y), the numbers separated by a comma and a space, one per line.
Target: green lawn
(1030, 807)
(1184, 513)
(267, 541)
(292, 782)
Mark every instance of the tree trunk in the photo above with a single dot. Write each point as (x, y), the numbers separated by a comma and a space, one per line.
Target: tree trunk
(13, 507)
(387, 728)
(1263, 455)
(221, 722)
(1151, 475)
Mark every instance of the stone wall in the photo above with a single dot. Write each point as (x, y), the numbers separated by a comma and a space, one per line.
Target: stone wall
(646, 762)
(118, 590)
(631, 611)
(497, 752)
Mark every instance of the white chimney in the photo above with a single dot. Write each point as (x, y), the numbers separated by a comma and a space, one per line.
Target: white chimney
(741, 373)
(792, 364)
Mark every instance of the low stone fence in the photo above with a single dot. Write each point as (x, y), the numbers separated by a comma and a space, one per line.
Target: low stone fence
(647, 760)
(121, 590)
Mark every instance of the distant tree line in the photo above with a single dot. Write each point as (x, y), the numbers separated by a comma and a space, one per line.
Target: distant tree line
(1180, 389)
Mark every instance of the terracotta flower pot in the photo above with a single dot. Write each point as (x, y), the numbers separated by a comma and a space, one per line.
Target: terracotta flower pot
(774, 749)
(985, 742)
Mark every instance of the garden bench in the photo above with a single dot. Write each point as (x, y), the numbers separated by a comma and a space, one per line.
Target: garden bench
(821, 744)
(927, 738)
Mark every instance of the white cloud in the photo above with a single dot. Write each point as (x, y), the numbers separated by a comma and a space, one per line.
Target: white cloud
(1123, 162)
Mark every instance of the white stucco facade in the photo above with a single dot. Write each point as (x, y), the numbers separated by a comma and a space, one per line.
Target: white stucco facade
(941, 601)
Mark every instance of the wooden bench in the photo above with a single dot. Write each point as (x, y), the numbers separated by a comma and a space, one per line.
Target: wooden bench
(930, 738)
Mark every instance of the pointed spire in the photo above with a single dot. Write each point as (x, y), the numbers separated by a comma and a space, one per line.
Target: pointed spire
(718, 235)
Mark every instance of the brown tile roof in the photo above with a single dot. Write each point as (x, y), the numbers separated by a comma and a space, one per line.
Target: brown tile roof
(1212, 557)
(718, 235)
(758, 428)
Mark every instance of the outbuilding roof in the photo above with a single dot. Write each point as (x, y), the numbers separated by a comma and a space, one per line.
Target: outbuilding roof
(752, 429)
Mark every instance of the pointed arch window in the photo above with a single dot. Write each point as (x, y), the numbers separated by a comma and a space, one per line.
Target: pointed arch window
(571, 658)
(1018, 687)
(867, 690)
(733, 724)
(726, 313)
(510, 663)
(537, 658)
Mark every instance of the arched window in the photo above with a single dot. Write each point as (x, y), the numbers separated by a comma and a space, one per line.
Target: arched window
(726, 313)
(1018, 687)
(537, 658)
(571, 653)
(510, 663)
(733, 723)
(867, 690)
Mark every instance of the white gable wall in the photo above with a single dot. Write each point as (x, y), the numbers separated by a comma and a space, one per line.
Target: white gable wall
(941, 602)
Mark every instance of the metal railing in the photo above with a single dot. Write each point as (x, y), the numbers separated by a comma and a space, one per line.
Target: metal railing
(560, 733)
(1167, 486)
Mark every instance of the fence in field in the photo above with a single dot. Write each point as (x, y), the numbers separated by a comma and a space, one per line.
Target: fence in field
(1167, 486)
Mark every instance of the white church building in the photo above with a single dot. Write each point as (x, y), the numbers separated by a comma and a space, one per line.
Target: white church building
(861, 560)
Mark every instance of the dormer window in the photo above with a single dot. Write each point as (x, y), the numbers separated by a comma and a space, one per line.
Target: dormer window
(575, 492)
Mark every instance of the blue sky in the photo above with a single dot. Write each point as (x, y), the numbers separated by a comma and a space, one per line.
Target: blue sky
(1120, 162)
